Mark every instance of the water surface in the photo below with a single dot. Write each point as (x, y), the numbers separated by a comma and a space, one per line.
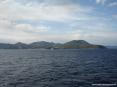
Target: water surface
(57, 68)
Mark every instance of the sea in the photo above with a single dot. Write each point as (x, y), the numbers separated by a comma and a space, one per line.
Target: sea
(58, 68)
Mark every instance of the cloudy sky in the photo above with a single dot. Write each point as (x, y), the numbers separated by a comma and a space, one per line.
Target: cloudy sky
(58, 20)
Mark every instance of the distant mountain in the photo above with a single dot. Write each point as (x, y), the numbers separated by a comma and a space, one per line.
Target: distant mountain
(74, 44)
(20, 45)
(42, 44)
(6, 46)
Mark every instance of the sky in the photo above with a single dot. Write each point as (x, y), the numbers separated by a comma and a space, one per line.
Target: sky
(58, 20)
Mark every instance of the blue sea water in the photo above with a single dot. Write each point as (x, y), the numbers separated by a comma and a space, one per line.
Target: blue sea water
(57, 68)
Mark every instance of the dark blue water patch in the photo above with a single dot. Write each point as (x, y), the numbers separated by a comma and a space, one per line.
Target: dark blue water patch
(57, 68)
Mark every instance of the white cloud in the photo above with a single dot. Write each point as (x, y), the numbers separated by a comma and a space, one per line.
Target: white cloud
(96, 37)
(11, 11)
(4, 24)
(112, 4)
(97, 32)
(30, 28)
(47, 2)
(101, 1)
(10, 32)
(42, 11)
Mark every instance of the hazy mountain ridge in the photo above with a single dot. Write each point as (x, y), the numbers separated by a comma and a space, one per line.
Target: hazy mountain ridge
(42, 44)
(74, 44)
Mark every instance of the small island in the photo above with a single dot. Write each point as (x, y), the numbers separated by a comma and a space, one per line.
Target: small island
(74, 44)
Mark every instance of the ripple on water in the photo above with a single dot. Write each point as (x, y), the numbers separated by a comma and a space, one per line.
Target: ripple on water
(58, 68)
